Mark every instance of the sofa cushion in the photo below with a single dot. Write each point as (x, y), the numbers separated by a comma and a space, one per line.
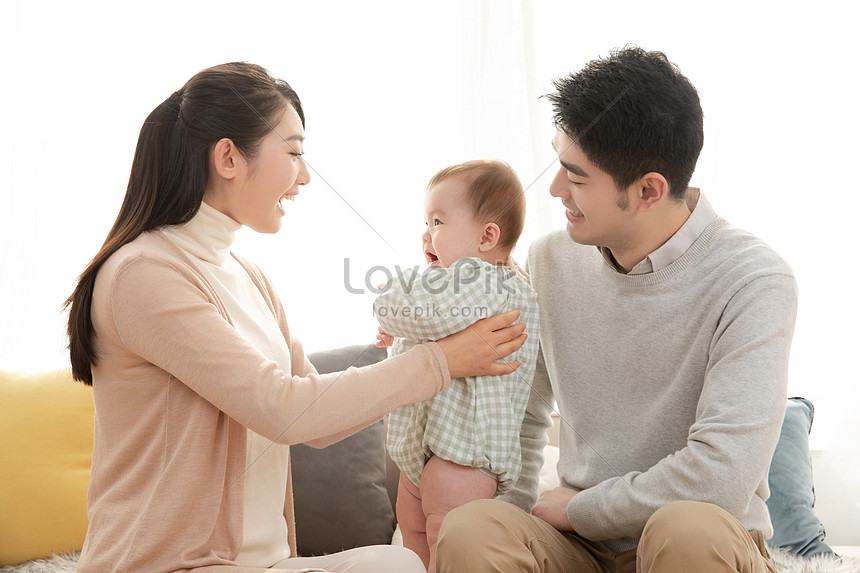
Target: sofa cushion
(341, 501)
(45, 457)
(340, 496)
(792, 496)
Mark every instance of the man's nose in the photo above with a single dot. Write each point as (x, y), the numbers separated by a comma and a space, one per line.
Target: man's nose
(559, 185)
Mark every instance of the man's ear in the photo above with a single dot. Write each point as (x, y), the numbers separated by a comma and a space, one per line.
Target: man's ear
(489, 238)
(226, 158)
(652, 190)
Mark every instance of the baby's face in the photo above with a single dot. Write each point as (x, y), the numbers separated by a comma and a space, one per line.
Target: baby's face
(452, 232)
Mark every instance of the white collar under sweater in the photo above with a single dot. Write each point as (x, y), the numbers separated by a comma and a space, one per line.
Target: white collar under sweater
(701, 215)
(207, 239)
(207, 236)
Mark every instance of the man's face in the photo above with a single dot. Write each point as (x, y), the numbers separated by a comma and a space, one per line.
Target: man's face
(597, 213)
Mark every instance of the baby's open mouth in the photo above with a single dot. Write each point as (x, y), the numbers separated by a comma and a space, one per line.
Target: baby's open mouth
(431, 258)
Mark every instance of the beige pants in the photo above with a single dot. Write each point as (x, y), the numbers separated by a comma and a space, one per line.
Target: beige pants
(495, 536)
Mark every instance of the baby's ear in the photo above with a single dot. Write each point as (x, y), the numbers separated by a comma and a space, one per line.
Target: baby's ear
(489, 237)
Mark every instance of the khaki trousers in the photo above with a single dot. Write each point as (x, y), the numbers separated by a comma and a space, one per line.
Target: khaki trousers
(494, 536)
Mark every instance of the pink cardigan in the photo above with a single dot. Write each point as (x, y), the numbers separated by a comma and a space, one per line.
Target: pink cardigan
(175, 388)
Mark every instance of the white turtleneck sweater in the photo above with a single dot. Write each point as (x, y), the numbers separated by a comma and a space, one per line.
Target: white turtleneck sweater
(207, 239)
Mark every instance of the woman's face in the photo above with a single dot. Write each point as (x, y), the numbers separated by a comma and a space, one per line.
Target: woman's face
(269, 179)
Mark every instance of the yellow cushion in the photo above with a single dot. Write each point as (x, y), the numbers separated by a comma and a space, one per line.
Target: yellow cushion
(46, 446)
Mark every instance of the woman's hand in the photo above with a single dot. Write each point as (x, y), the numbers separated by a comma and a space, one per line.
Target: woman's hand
(474, 350)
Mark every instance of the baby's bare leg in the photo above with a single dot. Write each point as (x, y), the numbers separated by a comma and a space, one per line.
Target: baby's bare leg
(410, 518)
(444, 486)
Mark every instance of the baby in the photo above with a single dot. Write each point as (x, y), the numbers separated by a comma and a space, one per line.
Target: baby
(464, 443)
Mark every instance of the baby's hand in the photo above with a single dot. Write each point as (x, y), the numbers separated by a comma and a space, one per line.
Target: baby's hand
(383, 339)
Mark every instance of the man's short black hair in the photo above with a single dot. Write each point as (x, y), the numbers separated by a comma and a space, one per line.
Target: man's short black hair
(633, 113)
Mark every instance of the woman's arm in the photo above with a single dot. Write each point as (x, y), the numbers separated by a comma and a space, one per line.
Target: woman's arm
(163, 314)
(303, 367)
(470, 352)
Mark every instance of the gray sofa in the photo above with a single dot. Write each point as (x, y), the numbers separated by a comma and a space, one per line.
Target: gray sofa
(345, 493)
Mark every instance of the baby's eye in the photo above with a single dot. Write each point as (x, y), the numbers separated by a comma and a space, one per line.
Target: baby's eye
(436, 222)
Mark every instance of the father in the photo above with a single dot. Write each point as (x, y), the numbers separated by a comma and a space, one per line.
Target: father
(665, 342)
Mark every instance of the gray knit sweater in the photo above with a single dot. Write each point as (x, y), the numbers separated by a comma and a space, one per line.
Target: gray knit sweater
(671, 385)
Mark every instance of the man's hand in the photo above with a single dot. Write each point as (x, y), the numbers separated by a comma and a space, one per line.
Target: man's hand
(551, 506)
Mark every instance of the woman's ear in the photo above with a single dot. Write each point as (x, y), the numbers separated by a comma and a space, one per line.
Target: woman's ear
(226, 158)
(489, 238)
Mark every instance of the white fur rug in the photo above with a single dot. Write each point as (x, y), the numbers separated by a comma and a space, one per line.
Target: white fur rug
(784, 562)
(789, 563)
(66, 563)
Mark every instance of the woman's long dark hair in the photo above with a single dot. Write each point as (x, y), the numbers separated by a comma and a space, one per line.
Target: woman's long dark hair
(237, 101)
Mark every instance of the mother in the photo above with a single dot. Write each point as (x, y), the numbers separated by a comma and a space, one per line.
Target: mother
(199, 387)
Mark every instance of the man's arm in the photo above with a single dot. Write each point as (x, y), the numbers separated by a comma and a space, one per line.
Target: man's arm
(533, 438)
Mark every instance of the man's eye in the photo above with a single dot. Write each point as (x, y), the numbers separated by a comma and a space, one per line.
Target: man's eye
(572, 182)
(296, 154)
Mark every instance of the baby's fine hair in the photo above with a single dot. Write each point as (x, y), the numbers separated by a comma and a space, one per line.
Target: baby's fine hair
(494, 194)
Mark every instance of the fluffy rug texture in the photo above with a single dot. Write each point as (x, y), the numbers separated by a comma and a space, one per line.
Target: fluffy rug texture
(789, 563)
(784, 562)
(66, 563)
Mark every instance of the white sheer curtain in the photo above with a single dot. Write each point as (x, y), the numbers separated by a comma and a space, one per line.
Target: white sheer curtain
(394, 93)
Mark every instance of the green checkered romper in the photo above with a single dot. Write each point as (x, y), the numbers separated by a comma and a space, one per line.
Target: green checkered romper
(476, 421)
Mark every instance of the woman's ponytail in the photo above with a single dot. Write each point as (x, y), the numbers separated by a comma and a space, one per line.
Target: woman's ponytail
(159, 145)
